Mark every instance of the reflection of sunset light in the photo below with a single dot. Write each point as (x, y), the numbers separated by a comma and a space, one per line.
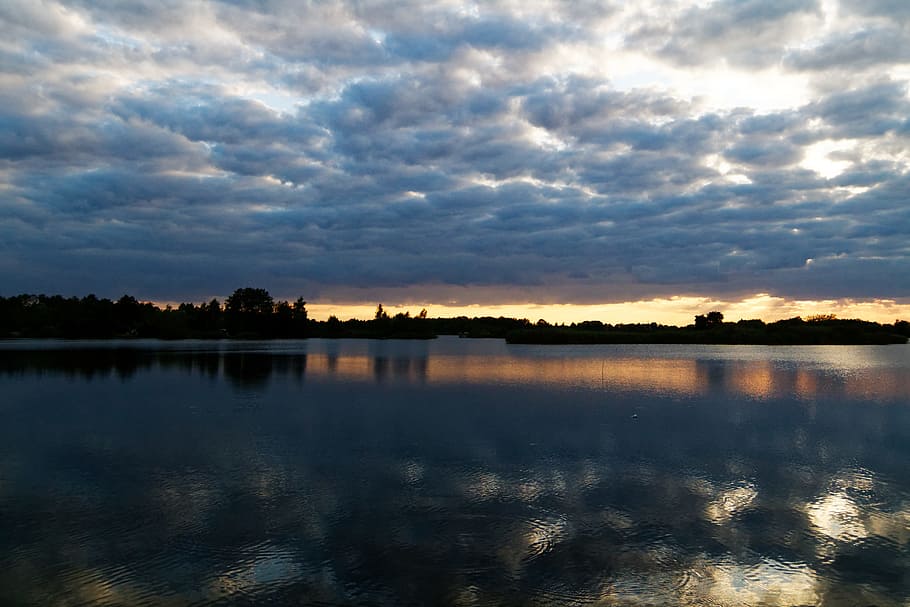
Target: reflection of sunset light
(760, 379)
(756, 380)
(806, 384)
(871, 386)
(670, 375)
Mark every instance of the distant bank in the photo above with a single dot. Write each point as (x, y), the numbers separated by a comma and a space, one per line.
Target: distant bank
(783, 333)
(251, 313)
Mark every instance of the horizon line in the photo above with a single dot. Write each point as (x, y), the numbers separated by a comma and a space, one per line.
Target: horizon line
(670, 311)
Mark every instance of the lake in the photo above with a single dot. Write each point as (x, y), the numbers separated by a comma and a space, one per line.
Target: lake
(453, 472)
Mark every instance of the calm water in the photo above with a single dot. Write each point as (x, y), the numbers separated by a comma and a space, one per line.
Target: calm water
(453, 472)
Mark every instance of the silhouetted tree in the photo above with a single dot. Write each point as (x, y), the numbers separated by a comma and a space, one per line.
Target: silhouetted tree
(249, 310)
(300, 312)
(213, 317)
(380, 313)
(902, 327)
(127, 316)
(712, 319)
(821, 317)
(300, 318)
(283, 324)
(250, 300)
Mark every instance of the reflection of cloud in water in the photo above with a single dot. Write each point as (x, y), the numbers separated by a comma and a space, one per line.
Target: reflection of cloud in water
(729, 503)
(529, 490)
(894, 526)
(590, 475)
(187, 501)
(483, 485)
(565, 484)
(707, 581)
(542, 534)
(852, 510)
(836, 516)
(529, 537)
(767, 582)
(412, 472)
(261, 567)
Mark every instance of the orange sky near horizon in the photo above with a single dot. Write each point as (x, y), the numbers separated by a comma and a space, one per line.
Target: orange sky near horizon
(678, 311)
(670, 311)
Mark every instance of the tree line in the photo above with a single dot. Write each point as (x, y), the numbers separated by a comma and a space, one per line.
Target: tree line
(248, 313)
(252, 313)
(710, 328)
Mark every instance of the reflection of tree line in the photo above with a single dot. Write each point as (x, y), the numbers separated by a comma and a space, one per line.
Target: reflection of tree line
(248, 368)
(756, 379)
(401, 367)
(247, 313)
(242, 368)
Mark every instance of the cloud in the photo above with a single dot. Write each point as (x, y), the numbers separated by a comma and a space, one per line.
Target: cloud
(330, 149)
(870, 111)
(858, 50)
(750, 33)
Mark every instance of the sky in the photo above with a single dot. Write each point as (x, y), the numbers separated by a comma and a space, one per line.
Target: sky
(625, 161)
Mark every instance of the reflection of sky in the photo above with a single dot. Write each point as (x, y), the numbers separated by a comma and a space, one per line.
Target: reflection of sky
(384, 473)
(755, 379)
(873, 373)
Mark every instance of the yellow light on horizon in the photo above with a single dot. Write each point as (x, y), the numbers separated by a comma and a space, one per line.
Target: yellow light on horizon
(677, 310)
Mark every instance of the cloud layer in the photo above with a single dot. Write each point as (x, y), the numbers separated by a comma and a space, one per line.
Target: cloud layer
(550, 152)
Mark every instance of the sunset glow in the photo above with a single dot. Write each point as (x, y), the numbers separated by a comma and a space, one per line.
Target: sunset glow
(677, 311)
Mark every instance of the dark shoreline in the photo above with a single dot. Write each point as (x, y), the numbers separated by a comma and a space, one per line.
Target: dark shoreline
(684, 337)
(252, 314)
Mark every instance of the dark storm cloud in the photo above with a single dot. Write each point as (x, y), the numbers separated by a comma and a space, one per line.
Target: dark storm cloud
(779, 153)
(871, 111)
(747, 32)
(495, 34)
(180, 151)
(209, 117)
(855, 50)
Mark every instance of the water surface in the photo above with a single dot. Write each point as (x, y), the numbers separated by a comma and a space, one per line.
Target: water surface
(462, 472)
